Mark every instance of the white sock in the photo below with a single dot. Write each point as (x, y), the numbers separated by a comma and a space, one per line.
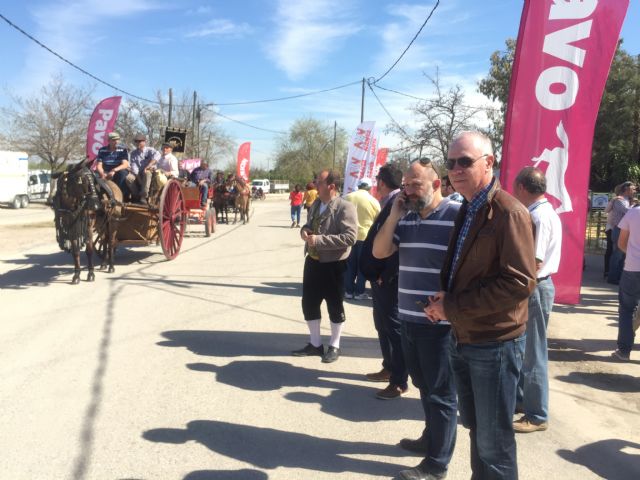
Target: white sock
(314, 332)
(336, 329)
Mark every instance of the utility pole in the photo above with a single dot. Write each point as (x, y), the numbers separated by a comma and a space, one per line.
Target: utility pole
(170, 107)
(335, 125)
(362, 103)
(193, 125)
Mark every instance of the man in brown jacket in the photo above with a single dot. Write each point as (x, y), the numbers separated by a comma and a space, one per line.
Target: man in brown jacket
(487, 278)
(329, 234)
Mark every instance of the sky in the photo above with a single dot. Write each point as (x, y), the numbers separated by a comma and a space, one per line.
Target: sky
(244, 50)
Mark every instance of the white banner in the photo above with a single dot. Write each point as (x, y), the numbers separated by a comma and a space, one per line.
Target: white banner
(361, 161)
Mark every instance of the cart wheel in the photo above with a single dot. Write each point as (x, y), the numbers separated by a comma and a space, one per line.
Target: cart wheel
(173, 218)
(210, 222)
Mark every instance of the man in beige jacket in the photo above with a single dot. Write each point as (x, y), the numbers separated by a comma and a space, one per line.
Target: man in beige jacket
(329, 234)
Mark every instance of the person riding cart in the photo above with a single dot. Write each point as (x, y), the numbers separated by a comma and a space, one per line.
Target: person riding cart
(202, 177)
(142, 163)
(113, 163)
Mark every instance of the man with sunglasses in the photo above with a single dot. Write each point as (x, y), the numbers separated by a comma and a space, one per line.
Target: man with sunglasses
(418, 227)
(486, 281)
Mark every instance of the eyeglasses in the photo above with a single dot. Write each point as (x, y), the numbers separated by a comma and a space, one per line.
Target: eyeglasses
(423, 161)
(464, 162)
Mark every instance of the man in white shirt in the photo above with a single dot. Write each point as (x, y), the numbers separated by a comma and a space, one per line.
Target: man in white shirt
(629, 293)
(533, 385)
(168, 163)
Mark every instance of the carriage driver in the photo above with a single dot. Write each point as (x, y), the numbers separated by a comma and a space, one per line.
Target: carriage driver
(113, 163)
(141, 166)
(201, 177)
(168, 163)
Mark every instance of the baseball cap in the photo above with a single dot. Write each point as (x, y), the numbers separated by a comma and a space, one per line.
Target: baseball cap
(364, 183)
(114, 136)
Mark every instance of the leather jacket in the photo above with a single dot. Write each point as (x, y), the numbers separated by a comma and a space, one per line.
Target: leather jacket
(495, 274)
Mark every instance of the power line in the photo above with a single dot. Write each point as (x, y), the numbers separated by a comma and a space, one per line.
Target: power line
(386, 111)
(248, 124)
(285, 98)
(73, 64)
(410, 43)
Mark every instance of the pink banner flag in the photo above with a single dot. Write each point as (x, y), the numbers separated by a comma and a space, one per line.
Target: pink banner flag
(189, 164)
(562, 61)
(244, 161)
(101, 123)
(361, 159)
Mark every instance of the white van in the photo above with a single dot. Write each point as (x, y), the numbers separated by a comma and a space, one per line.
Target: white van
(263, 183)
(39, 184)
(14, 172)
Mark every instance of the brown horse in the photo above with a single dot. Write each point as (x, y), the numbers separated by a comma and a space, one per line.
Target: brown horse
(243, 201)
(221, 201)
(107, 218)
(75, 204)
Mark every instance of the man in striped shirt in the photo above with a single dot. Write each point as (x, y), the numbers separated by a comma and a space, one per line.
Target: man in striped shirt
(418, 227)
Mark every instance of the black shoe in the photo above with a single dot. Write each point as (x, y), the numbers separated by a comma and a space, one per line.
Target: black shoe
(309, 351)
(420, 473)
(416, 446)
(332, 355)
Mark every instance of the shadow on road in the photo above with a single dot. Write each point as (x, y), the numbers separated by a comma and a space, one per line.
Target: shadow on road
(269, 448)
(244, 474)
(354, 403)
(607, 458)
(579, 350)
(258, 344)
(611, 382)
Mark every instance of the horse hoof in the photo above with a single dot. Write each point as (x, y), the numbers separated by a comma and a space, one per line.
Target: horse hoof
(75, 280)
(111, 269)
(102, 267)
(91, 277)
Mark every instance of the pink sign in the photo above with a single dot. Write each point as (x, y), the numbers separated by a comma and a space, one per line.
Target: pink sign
(244, 161)
(563, 56)
(381, 159)
(101, 123)
(189, 164)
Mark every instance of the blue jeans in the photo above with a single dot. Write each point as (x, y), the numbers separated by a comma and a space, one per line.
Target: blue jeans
(486, 377)
(616, 262)
(533, 385)
(204, 193)
(295, 213)
(388, 326)
(628, 299)
(354, 281)
(427, 355)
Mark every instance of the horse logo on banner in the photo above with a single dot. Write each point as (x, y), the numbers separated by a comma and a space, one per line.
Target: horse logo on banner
(558, 161)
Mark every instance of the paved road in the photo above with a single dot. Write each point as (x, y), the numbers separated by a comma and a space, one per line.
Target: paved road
(180, 370)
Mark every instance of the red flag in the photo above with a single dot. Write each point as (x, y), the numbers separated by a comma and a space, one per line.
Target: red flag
(381, 159)
(244, 161)
(562, 61)
(102, 121)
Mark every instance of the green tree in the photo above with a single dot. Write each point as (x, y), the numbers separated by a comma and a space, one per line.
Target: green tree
(308, 149)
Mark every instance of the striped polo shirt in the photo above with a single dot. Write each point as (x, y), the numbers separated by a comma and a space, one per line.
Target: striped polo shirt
(422, 245)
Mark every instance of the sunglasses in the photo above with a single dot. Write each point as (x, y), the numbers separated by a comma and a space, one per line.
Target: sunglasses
(422, 161)
(464, 162)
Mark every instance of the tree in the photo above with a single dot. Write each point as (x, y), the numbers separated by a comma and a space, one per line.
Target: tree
(308, 149)
(52, 125)
(441, 117)
(496, 87)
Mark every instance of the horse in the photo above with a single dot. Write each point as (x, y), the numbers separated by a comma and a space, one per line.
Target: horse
(75, 203)
(242, 201)
(107, 218)
(221, 195)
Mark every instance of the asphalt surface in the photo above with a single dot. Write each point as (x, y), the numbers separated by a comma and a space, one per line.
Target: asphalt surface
(181, 370)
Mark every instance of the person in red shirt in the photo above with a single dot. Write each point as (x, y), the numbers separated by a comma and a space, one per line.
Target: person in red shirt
(295, 198)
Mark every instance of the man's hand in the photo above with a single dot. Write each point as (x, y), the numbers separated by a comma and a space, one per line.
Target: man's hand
(311, 240)
(435, 309)
(399, 208)
(304, 233)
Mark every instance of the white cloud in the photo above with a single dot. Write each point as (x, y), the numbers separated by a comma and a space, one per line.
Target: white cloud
(220, 27)
(307, 31)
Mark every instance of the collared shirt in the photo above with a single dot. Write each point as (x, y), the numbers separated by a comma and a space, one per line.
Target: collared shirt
(619, 207)
(169, 163)
(368, 209)
(112, 159)
(548, 240)
(140, 159)
(386, 198)
(200, 173)
(477, 202)
(422, 246)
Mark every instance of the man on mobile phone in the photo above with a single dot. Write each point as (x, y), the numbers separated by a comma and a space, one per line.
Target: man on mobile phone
(419, 226)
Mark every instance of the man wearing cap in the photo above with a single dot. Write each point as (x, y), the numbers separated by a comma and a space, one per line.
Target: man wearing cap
(142, 162)
(168, 163)
(201, 177)
(368, 209)
(113, 163)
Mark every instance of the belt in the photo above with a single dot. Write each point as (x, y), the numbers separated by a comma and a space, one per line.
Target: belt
(542, 279)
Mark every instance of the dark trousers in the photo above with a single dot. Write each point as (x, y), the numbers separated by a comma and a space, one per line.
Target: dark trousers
(120, 179)
(354, 281)
(389, 328)
(486, 377)
(427, 354)
(608, 251)
(323, 281)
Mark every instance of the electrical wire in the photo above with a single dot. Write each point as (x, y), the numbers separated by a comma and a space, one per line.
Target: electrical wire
(248, 124)
(410, 43)
(387, 111)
